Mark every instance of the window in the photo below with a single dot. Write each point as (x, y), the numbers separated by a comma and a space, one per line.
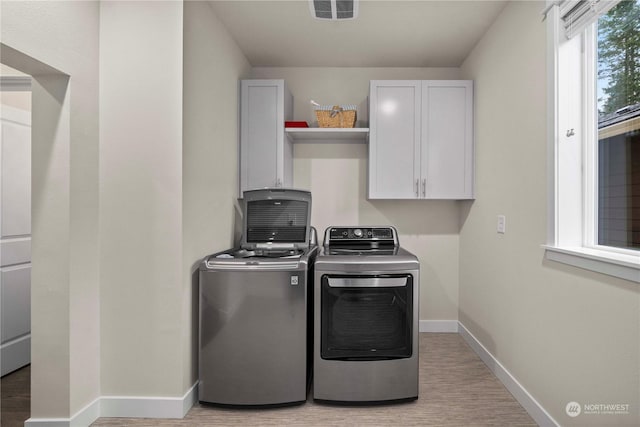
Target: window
(618, 92)
(594, 135)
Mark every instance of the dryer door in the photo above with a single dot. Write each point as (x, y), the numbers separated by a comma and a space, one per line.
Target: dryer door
(366, 317)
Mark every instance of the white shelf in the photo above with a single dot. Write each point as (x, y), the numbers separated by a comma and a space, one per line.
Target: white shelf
(353, 135)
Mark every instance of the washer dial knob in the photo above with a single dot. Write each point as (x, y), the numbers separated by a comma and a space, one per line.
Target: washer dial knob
(357, 232)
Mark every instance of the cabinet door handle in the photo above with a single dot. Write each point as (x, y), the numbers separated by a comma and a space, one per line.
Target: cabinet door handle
(278, 183)
(417, 188)
(424, 187)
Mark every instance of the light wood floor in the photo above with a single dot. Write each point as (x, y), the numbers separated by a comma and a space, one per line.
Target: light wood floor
(456, 389)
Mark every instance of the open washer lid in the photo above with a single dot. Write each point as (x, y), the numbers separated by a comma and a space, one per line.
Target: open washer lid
(276, 218)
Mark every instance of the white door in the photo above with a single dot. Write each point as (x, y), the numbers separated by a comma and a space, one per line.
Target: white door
(394, 139)
(15, 238)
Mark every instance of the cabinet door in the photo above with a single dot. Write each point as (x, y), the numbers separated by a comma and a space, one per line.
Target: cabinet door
(258, 134)
(447, 139)
(266, 154)
(394, 139)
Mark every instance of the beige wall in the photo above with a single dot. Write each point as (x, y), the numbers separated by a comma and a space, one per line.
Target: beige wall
(209, 155)
(132, 335)
(54, 41)
(168, 180)
(564, 333)
(141, 198)
(336, 175)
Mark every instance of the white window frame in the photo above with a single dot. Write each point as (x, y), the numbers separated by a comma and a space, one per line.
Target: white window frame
(572, 189)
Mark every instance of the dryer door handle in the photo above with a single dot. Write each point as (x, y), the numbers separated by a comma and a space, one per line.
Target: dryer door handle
(367, 282)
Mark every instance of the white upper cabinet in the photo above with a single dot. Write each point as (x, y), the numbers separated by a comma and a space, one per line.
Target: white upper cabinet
(421, 139)
(266, 153)
(447, 139)
(394, 139)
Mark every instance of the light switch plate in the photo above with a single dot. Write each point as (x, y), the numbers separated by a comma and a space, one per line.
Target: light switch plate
(502, 224)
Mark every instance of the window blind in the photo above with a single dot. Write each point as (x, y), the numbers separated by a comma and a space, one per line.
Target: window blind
(576, 15)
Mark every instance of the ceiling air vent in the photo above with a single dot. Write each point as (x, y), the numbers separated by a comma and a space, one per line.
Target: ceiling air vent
(334, 9)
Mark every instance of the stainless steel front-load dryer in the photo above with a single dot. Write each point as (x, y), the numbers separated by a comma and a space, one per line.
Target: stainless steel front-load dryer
(366, 301)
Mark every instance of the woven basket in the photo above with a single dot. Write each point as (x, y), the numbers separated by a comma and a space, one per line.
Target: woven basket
(338, 116)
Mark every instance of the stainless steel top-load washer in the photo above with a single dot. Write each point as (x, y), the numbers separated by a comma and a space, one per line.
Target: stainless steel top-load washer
(366, 304)
(255, 346)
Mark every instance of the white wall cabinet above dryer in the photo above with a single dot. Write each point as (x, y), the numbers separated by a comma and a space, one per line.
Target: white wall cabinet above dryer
(421, 139)
(266, 152)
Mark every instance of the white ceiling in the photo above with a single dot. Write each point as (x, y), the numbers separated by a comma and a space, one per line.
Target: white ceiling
(386, 33)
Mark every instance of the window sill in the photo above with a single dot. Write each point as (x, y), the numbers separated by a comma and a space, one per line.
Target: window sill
(613, 264)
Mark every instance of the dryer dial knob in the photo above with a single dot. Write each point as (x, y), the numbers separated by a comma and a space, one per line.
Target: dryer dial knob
(357, 232)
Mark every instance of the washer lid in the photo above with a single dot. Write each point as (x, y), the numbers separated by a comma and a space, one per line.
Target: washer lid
(276, 218)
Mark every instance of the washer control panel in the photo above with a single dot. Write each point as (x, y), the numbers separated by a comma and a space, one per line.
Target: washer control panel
(360, 234)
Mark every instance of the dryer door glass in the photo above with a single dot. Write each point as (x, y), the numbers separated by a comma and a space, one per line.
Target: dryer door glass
(366, 317)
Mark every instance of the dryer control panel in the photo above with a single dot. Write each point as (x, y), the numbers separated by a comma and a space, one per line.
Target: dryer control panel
(342, 235)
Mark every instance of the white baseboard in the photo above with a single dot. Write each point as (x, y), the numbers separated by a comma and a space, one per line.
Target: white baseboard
(531, 405)
(82, 418)
(442, 326)
(148, 407)
(48, 422)
(15, 354)
(86, 415)
(124, 406)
